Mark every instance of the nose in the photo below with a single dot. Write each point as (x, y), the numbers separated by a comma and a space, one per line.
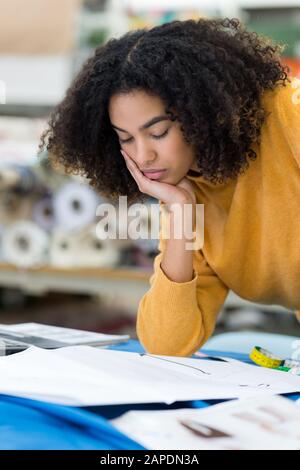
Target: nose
(145, 156)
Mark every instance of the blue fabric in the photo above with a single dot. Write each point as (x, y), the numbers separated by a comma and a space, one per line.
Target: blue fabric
(134, 346)
(34, 425)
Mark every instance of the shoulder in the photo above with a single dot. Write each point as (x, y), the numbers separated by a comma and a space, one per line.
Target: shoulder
(283, 108)
(284, 101)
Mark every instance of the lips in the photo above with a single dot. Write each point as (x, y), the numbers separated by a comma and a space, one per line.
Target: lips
(154, 174)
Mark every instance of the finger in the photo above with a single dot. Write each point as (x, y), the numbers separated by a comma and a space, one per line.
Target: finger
(146, 185)
(133, 168)
(125, 155)
(127, 161)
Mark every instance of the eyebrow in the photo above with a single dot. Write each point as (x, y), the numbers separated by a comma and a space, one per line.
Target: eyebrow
(146, 125)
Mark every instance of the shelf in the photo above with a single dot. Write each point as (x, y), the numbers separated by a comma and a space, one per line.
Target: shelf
(92, 281)
(133, 282)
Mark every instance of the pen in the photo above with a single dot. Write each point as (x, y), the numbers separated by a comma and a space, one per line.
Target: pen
(208, 358)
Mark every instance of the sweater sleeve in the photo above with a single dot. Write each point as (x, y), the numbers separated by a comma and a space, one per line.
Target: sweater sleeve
(175, 319)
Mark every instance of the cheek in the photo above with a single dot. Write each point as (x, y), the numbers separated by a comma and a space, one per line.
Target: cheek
(174, 145)
(180, 152)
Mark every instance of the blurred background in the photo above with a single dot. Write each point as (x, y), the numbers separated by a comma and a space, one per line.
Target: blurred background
(53, 268)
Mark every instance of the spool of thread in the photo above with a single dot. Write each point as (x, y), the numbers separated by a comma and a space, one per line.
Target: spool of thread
(24, 244)
(149, 226)
(75, 206)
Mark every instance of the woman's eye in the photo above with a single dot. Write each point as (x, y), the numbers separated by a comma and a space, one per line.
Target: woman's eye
(125, 141)
(161, 135)
(154, 137)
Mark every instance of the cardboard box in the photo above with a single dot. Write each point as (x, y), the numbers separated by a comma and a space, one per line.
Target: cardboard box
(38, 26)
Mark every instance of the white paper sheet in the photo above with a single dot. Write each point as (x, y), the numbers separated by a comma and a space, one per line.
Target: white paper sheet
(69, 336)
(256, 423)
(84, 375)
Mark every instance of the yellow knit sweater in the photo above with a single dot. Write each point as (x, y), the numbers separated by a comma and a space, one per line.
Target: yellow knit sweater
(251, 240)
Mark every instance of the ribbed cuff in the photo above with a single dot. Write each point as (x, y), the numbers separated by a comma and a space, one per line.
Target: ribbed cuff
(170, 289)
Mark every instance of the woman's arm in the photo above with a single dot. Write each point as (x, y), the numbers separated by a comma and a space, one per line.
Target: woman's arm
(179, 311)
(176, 253)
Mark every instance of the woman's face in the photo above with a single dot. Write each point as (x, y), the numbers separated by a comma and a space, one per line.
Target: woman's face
(152, 145)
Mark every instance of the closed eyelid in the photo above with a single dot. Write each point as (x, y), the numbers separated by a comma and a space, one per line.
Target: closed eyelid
(150, 131)
(162, 134)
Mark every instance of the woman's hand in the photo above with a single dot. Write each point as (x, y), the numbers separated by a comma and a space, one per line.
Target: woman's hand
(182, 193)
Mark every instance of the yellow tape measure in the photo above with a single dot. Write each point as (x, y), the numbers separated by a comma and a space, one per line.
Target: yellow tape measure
(264, 358)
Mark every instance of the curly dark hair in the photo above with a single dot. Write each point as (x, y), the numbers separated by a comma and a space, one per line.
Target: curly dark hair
(211, 71)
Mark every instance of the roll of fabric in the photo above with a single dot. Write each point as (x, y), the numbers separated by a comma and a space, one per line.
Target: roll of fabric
(14, 207)
(133, 226)
(75, 206)
(96, 252)
(62, 249)
(24, 244)
(147, 223)
(113, 225)
(83, 249)
(2, 228)
(19, 178)
(43, 214)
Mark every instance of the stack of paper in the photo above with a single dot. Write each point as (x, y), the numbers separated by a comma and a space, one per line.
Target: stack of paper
(252, 424)
(48, 336)
(82, 376)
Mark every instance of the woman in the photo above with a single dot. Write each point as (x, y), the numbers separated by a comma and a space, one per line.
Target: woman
(211, 105)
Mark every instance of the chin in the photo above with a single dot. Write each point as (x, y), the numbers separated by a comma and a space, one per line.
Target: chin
(171, 181)
(178, 179)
